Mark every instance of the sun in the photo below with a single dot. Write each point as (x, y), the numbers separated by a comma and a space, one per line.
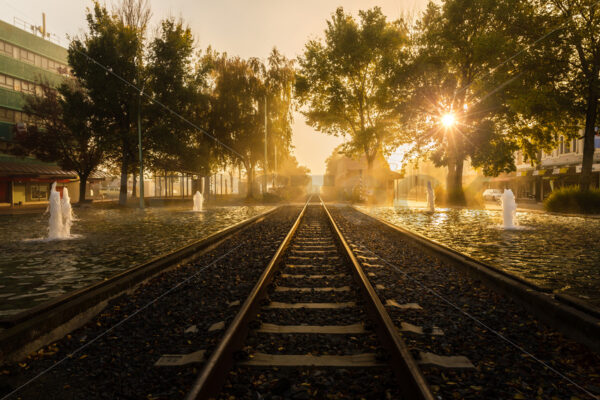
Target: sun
(448, 120)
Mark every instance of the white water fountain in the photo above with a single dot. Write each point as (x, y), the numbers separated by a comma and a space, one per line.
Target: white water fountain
(430, 197)
(509, 208)
(198, 201)
(67, 213)
(61, 215)
(56, 225)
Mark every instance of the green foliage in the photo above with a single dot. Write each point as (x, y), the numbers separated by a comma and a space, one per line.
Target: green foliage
(576, 47)
(456, 45)
(175, 82)
(111, 42)
(239, 92)
(571, 199)
(65, 129)
(344, 80)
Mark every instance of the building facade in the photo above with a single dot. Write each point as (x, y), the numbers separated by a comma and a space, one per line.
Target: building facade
(558, 168)
(26, 61)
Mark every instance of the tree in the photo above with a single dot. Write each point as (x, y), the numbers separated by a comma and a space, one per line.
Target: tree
(343, 80)
(580, 43)
(173, 80)
(241, 90)
(64, 130)
(453, 112)
(111, 47)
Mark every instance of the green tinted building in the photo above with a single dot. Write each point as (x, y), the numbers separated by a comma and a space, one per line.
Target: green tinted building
(26, 60)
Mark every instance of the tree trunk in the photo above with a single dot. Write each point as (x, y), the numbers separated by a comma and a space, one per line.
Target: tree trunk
(454, 190)
(451, 164)
(134, 186)
(123, 188)
(82, 186)
(588, 141)
(249, 193)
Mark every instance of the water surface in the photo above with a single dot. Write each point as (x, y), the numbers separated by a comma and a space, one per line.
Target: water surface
(107, 241)
(558, 252)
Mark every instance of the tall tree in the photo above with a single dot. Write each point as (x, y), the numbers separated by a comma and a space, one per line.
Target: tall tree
(237, 112)
(343, 81)
(112, 47)
(578, 22)
(177, 83)
(64, 129)
(241, 90)
(453, 113)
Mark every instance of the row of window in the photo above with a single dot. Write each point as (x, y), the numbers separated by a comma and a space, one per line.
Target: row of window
(27, 56)
(564, 147)
(13, 116)
(19, 85)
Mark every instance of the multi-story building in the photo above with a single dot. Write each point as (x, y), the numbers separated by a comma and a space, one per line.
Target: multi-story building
(26, 60)
(558, 168)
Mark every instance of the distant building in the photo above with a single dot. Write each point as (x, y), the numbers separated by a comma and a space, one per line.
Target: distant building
(26, 60)
(349, 179)
(558, 168)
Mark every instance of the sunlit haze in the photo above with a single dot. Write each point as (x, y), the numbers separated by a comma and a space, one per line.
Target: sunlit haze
(247, 29)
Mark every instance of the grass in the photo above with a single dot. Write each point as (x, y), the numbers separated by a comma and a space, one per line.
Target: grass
(571, 200)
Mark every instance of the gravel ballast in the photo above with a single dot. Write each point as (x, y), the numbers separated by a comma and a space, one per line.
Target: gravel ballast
(120, 362)
(501, 371)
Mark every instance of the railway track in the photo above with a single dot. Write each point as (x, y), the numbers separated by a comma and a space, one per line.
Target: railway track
(313, 326)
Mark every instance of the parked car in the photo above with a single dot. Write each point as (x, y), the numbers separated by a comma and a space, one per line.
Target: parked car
(492, 194)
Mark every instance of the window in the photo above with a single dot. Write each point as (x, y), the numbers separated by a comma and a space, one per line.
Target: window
(561, 146)
(39, 192)
(7, 115)
(574, 145)
(32, 58)
(6, 49)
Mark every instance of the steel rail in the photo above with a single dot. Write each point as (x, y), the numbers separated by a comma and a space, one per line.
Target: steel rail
(213, 375)
(412, 382)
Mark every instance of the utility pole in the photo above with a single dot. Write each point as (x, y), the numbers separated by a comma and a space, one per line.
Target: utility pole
(275, 171)
(140, 149)
(265, 174)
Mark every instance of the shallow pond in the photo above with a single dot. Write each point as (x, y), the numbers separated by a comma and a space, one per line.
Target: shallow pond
(107, 241)
(561, 253)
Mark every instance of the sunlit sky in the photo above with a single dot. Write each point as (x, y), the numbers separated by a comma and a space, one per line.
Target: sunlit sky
(238, 27)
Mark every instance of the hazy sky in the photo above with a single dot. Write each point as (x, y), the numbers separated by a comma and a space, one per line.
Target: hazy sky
(248, 28)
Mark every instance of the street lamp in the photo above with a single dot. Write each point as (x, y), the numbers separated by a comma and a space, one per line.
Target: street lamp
(140, 148)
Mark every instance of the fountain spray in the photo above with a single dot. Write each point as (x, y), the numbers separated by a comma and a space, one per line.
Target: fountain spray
(430, 197)
(509, 208)
(67, 213)
(56, 226)
(198, 200)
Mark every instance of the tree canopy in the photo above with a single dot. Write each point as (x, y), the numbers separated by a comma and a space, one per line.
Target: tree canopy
(343, 82)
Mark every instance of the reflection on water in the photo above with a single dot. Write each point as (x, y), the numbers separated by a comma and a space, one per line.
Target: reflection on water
(33, 270)
(562, 253)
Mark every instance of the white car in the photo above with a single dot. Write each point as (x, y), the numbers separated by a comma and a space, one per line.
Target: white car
(492, 194)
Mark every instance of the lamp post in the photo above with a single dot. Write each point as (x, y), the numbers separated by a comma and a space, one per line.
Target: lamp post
(140, 149)
(265, 174)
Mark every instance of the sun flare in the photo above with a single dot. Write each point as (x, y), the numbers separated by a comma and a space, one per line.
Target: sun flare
(448, 120)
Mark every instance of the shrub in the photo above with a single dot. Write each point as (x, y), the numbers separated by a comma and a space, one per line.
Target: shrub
(571, 200)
